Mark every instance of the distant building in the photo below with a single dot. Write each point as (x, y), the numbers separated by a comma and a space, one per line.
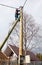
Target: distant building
(4, 60)
(10, 50)
(3, 56)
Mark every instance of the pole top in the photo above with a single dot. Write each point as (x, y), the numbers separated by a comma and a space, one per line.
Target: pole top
(21, 7)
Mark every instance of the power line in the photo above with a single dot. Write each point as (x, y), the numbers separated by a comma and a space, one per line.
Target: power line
(13, 7)
(24, 3)
(8, 6)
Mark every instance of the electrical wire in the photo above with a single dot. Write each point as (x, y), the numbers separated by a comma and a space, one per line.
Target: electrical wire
(24, 3)
(8, 6)
(13, 7)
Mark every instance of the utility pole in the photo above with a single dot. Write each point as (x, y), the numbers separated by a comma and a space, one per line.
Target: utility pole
(21, 37)
(25, 36)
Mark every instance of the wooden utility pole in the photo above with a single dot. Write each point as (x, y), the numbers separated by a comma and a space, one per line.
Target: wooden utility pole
(21, 33)
(21, 37)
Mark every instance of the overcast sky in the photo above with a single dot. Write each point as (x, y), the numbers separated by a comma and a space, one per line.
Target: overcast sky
(33, 7)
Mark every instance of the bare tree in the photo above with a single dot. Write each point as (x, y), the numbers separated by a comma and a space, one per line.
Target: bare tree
(30, 33)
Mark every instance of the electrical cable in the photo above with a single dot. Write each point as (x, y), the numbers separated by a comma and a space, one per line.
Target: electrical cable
(24, 3)
(8, 6)
(13, 7)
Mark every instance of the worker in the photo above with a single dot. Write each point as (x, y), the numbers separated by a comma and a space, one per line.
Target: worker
(17, 14)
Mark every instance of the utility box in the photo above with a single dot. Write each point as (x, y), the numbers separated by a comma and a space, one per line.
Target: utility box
(27, 59)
